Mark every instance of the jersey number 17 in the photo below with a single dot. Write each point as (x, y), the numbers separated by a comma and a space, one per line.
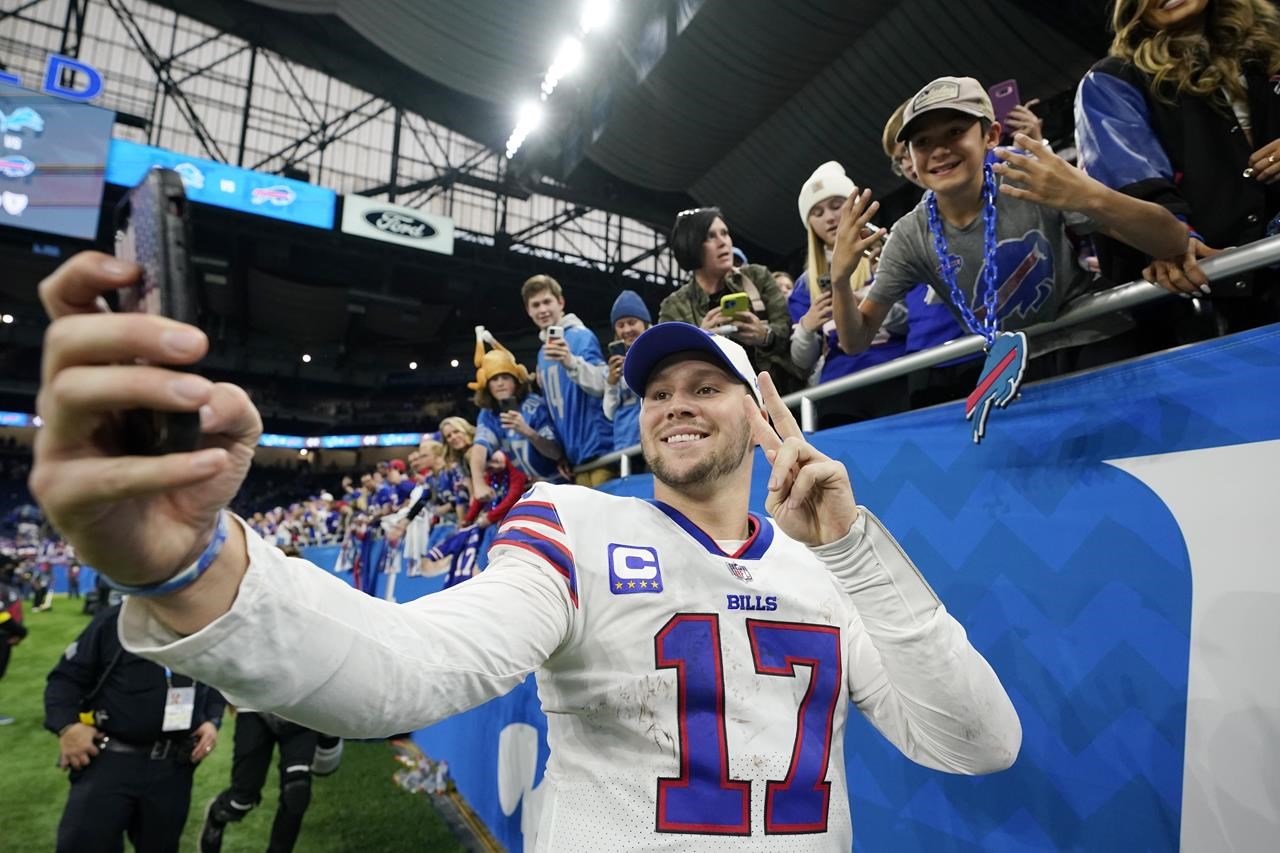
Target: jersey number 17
(703, 799)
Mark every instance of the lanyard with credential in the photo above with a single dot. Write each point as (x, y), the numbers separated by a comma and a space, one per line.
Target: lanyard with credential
(179, 705)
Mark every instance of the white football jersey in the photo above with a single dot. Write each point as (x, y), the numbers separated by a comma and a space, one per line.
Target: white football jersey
(696, 700)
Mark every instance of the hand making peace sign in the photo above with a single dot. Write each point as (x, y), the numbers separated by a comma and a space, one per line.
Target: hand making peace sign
(810, 496)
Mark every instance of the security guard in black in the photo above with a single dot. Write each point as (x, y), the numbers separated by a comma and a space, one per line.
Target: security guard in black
(131, 733)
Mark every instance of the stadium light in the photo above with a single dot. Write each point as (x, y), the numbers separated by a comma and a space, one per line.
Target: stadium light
(6, 319)
(527, 120)
(306, 358)
(453, 363)
(568, 58)
(596, 15)
(413, 365)
(303, 452)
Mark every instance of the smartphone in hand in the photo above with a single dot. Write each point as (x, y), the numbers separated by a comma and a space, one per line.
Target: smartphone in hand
(555, 333)
(617, 348)
(733, 304)
(153, 231)
(1004, 97)
(511, 404)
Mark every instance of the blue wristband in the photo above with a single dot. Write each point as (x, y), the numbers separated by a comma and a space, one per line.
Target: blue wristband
(187, 576)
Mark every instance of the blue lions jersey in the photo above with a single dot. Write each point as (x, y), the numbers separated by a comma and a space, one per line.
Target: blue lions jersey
(491, 434)
(579, 417)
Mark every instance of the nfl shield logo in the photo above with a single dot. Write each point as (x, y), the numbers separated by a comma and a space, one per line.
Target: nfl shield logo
(740, 572)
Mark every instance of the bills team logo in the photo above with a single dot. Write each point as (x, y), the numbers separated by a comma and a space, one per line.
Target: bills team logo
(1026, 275)
(16, 166)
(740, 572)
(634, 569)
(279, 195)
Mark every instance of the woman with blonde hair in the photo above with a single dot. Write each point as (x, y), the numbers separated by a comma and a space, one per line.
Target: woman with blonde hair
(457, 434)
(447, 478)
(810, 304)
(1185, 112)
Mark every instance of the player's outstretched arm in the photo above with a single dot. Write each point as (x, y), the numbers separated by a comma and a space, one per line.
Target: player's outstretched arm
(272, 632)
(302, 643)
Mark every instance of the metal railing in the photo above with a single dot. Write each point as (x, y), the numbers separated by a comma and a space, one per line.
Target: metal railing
(1223, 267)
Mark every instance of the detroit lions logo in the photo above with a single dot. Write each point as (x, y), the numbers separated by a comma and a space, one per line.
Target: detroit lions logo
(192, 177)
(23, 118)
(1025, 266)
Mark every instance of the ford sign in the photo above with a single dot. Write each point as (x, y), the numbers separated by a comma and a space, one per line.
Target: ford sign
(400, 224)
(392, 223)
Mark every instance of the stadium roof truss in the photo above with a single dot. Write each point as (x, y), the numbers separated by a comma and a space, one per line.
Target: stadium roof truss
(182, 84)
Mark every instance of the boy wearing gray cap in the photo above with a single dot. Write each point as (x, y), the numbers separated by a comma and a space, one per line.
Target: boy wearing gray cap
(995, 242)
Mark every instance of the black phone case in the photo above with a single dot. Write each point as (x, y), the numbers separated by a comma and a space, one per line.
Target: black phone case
(153, 230)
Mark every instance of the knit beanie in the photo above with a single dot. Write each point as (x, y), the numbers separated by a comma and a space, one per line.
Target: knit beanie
(629, 304)
(827, 180)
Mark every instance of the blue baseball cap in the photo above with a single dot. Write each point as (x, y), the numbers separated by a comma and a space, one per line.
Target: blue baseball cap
(664, 339)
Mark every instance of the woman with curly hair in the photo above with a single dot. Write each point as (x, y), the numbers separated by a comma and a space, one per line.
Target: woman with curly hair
(1185, 112)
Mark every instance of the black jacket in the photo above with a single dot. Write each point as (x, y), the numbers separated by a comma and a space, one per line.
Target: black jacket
(130, 705)
(1188, 154)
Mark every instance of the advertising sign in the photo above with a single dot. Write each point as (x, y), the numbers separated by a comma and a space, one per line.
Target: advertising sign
(378, 220)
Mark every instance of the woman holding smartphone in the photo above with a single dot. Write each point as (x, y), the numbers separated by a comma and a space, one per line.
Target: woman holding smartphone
(744, 302)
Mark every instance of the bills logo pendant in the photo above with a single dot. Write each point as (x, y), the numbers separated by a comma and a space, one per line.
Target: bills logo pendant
(740, 572)
(1000, 380)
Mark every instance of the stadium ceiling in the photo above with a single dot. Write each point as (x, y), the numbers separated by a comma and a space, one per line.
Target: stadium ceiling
(680, 102)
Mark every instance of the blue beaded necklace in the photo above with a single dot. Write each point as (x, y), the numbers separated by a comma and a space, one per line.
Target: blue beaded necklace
(1006, 351)
(990, 274)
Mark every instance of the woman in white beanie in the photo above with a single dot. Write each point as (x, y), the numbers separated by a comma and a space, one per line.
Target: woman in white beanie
(814, 332)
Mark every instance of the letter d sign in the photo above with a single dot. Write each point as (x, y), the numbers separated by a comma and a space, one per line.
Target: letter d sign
(54, 70)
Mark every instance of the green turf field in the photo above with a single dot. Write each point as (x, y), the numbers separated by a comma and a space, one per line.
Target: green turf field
(356, 809)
